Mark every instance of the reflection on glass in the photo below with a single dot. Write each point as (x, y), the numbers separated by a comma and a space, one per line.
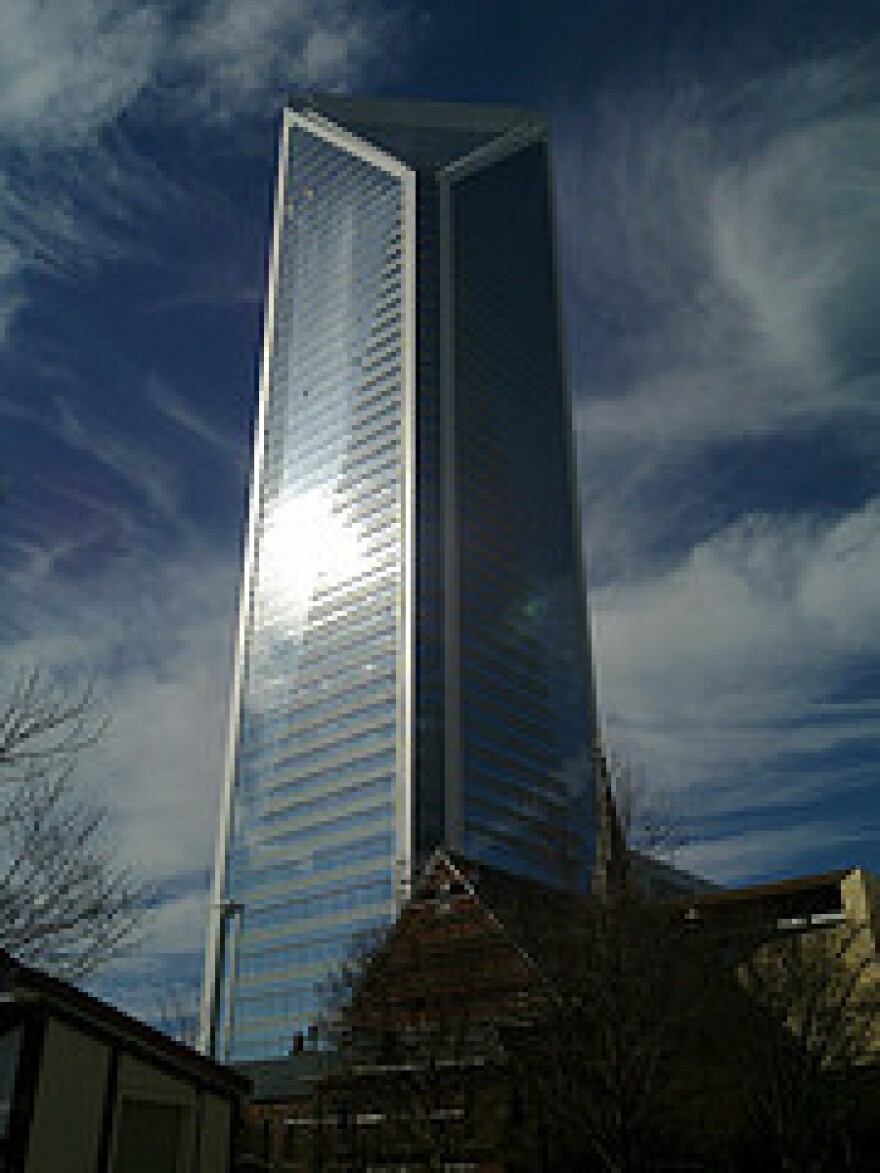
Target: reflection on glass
(525, 664)
(318, 730)
(497, 691)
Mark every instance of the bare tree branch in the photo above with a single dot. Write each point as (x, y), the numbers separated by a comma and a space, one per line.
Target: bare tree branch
(178, 1014)
(819, 993)
(66, 903)
(649, 821)
(40, 724)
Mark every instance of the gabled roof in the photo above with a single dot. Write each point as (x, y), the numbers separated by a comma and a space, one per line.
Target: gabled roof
(525, 912)
(424, 135)
(457, 916)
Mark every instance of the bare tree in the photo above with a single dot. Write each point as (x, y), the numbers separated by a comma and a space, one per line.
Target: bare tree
(596, 1079)
(418, 1068)
(66, 903)
(816, 1026)
(649, 820)
(578, 1070)
(177, 1013)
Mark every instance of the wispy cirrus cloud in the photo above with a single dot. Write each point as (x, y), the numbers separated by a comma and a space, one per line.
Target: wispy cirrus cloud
(67, 73)
(155, 633)
(85, 491)
(136, 467)
(724, 254)
(234, 57)
(70, 210)
(143, 486)
(183, 415)
(71, 187)
(68, 70)
(730, 673)
(776, 601)
(721, 245)
(775, 851)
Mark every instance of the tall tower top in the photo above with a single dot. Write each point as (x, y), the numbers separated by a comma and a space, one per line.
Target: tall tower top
(425, 135)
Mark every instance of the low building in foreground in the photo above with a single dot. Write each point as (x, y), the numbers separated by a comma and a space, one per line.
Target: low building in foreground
(810, 944)
(85, 1088)
(459, 1016)
(420, 1061)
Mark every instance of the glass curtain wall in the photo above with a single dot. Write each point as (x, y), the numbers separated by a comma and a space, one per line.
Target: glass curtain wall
(414, 669)
(313, 861)
(525, 667)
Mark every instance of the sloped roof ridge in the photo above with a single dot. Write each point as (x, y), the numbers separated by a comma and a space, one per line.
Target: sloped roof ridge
(511, 880)
(473, 873)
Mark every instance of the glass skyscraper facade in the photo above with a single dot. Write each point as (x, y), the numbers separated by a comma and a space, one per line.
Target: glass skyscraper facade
(413, 664)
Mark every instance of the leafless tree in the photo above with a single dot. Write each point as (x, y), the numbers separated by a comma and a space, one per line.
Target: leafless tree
(649, 820)
(595, 1079)
(177, 1014)
(66, 903)
(816, 996)
(582, 1064)
(417, 1052)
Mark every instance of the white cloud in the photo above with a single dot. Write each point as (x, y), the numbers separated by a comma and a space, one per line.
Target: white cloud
(155, 634)
(68, 69)
(135, 467)
(72, 192)
(753, 855)
(840, 590)
(11, 297)
(236, 57)
(69, 211)
(142, 484)
(723, 248)
(167, 787)
(766, 606)
(719, 674)
(180, 412)
(180, 924)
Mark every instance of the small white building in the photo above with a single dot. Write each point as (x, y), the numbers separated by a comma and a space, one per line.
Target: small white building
(85, 1088)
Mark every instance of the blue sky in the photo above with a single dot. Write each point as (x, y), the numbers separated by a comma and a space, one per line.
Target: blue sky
(718, 193)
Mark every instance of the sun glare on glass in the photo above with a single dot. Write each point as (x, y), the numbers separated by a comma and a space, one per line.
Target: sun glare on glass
(305, 542)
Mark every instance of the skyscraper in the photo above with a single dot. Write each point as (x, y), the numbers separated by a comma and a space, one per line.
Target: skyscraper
(413, 662)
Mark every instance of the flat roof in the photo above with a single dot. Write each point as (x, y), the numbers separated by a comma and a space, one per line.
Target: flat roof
(27, 984)
(426, 136)
(285, 1078)
(795, 896)
(483, 118)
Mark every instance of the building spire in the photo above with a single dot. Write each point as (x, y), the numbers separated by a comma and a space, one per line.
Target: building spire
(610, 874)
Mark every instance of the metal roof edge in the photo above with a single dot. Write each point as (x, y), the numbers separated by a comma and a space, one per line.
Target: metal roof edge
(72, 1002)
